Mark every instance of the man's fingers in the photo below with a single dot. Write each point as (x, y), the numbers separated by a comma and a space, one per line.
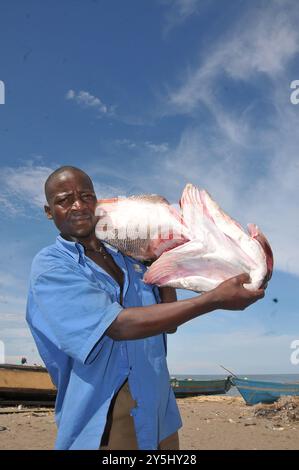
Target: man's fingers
(259, 293)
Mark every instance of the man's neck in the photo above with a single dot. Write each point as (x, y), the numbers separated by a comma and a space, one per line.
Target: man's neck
(90, 241)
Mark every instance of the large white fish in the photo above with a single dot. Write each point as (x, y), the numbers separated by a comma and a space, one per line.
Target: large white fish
(219, 248)
(140, 226)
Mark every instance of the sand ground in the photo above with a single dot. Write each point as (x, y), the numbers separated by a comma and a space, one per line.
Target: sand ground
(209, 423)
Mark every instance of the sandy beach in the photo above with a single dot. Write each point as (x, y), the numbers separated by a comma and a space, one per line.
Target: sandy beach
(218, 422)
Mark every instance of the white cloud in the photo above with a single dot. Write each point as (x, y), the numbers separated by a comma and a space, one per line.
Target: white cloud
(161, 147)
(22, 187)
(87, 100)
(179, 11)
(104, 190)
(157, 148)
(127, 143)
(186, 8)
(70, 95)
(262, 42)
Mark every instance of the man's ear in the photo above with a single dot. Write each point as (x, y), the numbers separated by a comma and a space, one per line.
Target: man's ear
(48, 212)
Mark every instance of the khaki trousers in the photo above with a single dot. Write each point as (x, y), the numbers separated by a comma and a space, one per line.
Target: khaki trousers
(119, 433)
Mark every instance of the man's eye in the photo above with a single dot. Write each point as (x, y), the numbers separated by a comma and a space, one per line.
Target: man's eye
(88, 196)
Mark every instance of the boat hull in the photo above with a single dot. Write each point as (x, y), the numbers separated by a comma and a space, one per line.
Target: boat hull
(254, 391)
(25, 383)
(185, 388)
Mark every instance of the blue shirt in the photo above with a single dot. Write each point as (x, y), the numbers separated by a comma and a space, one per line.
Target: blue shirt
(71, 303)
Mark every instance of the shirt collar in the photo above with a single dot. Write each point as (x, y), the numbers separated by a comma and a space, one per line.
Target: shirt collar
(76, 250)
(72, 248)
(110, 247)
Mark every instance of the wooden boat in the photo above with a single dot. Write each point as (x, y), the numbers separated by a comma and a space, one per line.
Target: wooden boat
(255, 391)
(189, 387)
(25, 384)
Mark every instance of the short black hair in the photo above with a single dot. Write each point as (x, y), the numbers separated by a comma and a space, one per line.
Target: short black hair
(59, 170)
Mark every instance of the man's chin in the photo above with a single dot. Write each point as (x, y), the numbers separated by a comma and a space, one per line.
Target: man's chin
(83, 232)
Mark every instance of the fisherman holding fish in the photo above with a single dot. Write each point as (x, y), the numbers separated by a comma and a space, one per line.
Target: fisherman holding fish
(101, 331)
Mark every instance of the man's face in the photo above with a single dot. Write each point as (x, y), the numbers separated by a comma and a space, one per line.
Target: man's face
(72, 202)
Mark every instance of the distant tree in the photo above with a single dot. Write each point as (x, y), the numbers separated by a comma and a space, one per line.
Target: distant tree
(23, 361)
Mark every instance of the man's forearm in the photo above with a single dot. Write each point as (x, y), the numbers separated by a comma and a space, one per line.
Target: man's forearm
(142, 322)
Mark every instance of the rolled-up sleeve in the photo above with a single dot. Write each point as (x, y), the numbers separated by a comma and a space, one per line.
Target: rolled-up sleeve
(73, 311)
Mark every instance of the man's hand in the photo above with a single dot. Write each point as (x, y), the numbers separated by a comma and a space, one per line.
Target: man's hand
(231, 295)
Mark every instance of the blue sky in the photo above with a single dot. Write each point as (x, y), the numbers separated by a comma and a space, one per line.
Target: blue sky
(145, 97)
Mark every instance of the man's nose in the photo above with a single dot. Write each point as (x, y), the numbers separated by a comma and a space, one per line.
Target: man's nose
(78, 204)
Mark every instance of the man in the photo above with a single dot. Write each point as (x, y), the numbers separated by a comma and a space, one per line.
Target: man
(101, 333)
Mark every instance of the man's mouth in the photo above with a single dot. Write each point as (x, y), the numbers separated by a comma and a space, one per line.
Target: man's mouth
(80, 218)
